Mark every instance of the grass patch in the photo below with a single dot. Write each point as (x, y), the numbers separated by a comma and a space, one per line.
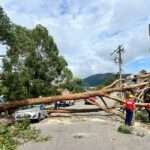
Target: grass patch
(125, 129)
(18, 133)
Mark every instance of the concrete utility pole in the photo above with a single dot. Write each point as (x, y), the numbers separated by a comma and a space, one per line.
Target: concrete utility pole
(118, 60)
(149, 30)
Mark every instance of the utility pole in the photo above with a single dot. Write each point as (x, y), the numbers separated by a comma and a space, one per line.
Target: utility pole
(149, 33)
(118, 60)
(119, 51)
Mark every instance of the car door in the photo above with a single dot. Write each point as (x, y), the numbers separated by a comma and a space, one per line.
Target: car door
(43, 111)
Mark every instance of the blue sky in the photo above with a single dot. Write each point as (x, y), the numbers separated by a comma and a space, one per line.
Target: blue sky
(87, 31)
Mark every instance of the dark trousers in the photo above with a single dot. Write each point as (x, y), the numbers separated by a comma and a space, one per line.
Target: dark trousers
(129, 116)
(55, 105)
(148, 115)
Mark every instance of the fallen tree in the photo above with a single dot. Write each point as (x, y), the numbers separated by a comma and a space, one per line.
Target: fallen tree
(76, 110)
(78, 96)
(115, 83)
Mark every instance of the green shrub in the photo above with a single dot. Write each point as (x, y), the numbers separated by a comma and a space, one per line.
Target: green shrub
(22, 124)
(7, 141)
(125, 129)
(141, 116)
(18, 133)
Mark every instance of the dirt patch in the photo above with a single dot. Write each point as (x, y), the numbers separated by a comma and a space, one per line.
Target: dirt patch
(141, 129)
(80, 135)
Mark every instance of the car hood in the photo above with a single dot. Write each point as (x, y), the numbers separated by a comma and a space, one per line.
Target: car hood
(27, 110)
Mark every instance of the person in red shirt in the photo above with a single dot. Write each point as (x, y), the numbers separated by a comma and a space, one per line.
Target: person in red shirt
(129, 107)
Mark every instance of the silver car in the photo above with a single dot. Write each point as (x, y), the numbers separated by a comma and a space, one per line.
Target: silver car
(34, 112)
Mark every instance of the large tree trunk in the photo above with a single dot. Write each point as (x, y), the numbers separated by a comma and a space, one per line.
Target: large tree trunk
(84, 110)
(78, 96)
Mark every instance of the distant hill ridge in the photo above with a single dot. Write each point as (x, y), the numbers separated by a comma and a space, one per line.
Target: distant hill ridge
(98, 79)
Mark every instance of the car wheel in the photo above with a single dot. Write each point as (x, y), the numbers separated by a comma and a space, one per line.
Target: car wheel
(39, 117)
(46, 116)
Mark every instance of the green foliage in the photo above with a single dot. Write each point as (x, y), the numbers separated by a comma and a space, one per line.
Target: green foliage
(33, 66)
(75, 85)
(1, 87)
(142, 116)
(19, 133)
(125, 129)
(5, 27)
(6, 139)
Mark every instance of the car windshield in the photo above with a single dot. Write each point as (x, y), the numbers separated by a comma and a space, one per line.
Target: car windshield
(30, 107)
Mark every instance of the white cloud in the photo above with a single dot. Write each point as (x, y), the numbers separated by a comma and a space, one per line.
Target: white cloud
(86, 31)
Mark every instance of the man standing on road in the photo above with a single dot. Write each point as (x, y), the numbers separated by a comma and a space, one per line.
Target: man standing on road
(56, 105)
(129, 107)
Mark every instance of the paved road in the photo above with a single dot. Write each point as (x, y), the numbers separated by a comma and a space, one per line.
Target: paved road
(86, 133)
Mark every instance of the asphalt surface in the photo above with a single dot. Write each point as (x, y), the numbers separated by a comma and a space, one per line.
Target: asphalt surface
(91, 132)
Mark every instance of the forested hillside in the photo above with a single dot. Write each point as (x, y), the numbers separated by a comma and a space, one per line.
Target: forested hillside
(100, 79)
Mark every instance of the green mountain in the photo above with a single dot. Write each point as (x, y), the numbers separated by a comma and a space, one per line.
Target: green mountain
(100, 79)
